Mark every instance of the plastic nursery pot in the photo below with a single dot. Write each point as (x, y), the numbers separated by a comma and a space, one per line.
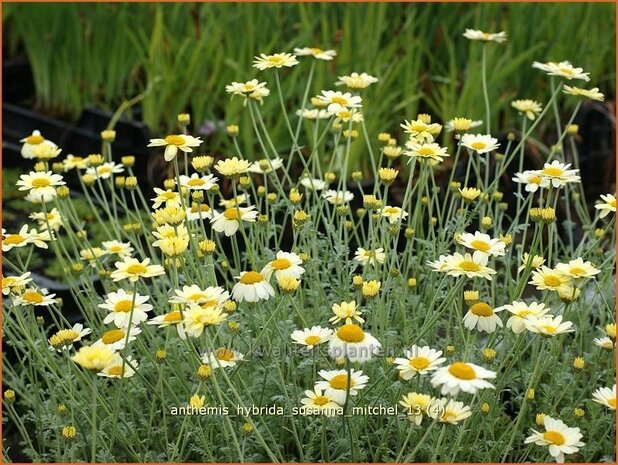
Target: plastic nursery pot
(17, 83)
(81, 138)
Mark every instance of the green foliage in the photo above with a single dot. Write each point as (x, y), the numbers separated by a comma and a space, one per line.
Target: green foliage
(102, 54)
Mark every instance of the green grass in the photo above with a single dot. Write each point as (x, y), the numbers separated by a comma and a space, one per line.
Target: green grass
(102, 54)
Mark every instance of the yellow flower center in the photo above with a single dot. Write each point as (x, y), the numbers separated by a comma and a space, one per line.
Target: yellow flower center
(32, 297)
(425, 152)
(275, 60)
(281, 264)
(136, 268)
(552, 171)
(612, 402)
(462, 371)
(104, 169)
(312, 340)
(339, 100)
(612, 203)
(478, 145)
(251, 277)
(534, 180)
(40, 182)
(175, 140)
(576, 270)
(35, 139)
(340, 382)
(14, 239)
(197, 296)
(468, 265)
(391, 210)
(549, 329)
(351, 333)
(480, 245)
(567, 71)
(66, 336)
(225, 354)
(419, 363)
(482, 309)
(123, 306)
(232, 214)
(196, 182)
(113, 335)
(321, 400)
(173, 317)
(115, 370)
(316, 51)
(448, 415)
(8, 281)
(551, 280)
(554, 437)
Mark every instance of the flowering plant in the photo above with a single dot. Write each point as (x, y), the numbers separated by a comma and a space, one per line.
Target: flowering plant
(247, 311)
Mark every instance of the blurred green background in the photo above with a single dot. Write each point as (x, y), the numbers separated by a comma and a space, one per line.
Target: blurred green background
(101, 54)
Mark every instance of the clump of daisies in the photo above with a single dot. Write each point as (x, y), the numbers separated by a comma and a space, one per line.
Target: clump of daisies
(285, 305)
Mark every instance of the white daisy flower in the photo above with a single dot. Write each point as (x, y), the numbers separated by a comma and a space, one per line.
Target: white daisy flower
(197, 182)
(578, 269)
(35, 297)
(346, 311)
(167, 197)
(212, 296)
(356, 81)
(252, 287)
(369, 257)
(65, 338)
(313, 184)
(265, 165)
(480, 143)
(9, 283)
(608, 205)
(33, 142)
(317, 402)
(285, 265)
(532, 179)
(222, 358)
(336, 99)
(548, 325)
(482, 317)
(334, 383)
(474, 34)
(119, 368)
(121, 304)
(316, 53)
(419, 360)
(40, 184)
(558, 173)
(116, 339)
(122, 249)
(105, 170)
(520, 312)
(311, 337)
(338, 197)
(605, 396)
(564, 69)
(449, 411)
(482, 244)
(352, 342)
(230, 219)
(461, 376)
(277, 60)
(560, 438)
(175, 142)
